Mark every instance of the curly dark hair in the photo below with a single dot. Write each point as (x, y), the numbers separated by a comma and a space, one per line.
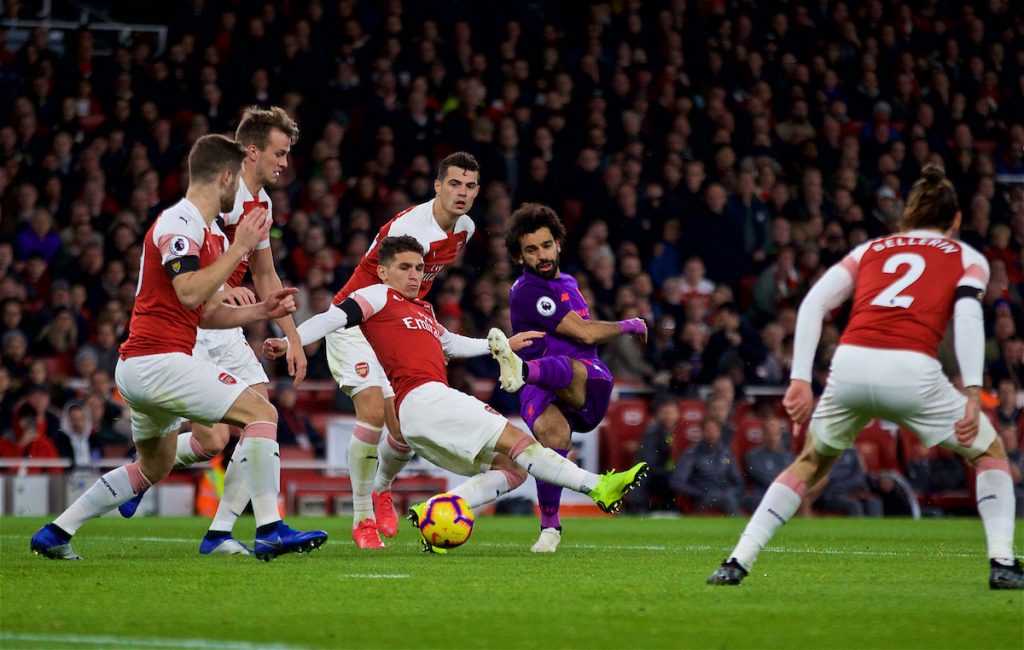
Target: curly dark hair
(389, 247)
(528, 218)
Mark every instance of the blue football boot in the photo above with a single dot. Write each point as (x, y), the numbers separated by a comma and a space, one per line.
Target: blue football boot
(49, 541)
(222, 545)
(128, 508)
(284, 539)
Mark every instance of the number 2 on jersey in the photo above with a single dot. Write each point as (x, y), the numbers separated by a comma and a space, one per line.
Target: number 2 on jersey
(890, 296)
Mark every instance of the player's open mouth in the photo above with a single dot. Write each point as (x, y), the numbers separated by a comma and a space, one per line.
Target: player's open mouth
(544, 266)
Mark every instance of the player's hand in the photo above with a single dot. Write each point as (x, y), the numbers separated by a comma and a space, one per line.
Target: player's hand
(280, 303)
(254, 228)
(799, 401)
(274, 348)
(635, 326)
(239, 296)
(967, 428)
(296, 361)
(523, 339)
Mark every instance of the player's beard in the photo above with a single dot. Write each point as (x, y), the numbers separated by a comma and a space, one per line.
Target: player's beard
(548, 273)
(227, 202)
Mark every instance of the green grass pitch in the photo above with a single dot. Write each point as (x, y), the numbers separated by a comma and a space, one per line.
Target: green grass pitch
(626, 582)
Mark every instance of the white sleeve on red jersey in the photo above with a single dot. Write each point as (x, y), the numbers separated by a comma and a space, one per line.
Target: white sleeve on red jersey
(459, 346)
(976, 271)
(369, 301)
(968, 321)
(834, 287)
(175, 236)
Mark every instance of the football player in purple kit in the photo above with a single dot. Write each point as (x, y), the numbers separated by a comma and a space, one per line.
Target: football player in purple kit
(565, 386)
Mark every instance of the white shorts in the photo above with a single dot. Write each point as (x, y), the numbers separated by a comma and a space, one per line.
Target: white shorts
(229, 350)
(164, 389)
(900, 386)
(354, 364)
(451, 429)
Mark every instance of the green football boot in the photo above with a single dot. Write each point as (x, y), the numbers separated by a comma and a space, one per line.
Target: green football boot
(613, 486)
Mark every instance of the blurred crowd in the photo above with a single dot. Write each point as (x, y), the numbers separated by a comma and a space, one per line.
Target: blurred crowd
(710, 160)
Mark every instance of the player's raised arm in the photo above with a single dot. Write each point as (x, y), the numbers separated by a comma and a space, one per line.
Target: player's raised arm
(969, 339)
(352, 311)
(594, 332)
(459, 346)
(221, 315)
(265, 277)
(830, 291)
(193, 285)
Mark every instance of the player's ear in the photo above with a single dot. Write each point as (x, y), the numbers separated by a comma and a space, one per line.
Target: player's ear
(957, 220)
(382, 272)
(251, 152)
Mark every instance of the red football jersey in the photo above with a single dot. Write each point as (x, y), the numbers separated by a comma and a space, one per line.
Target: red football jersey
(905, 289)
(244, 203)
(418, 221)
(406, 337)
(160, 324)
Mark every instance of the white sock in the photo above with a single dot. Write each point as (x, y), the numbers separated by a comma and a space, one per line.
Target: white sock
(996, 505)
(547, 465)
(235, 496)
(394, 456)
(262, 467)
(111, 490)
(777, 507)
(189, 451)
(362, 465)
(482, 488)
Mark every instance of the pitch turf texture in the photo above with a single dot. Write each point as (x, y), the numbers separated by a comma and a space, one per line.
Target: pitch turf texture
(626, 582)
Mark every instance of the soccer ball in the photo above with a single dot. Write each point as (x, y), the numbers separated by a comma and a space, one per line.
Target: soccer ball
(447, 521)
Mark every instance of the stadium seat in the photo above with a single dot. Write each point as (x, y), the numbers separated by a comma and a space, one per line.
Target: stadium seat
(687, 433)
(749, 434)
(692, 409)
(621, 430)
(877, 444)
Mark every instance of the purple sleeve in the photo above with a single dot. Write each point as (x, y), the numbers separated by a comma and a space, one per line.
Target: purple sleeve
(537, 309)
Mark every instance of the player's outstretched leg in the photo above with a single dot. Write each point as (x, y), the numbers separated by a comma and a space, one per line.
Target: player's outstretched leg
(113, 488)
(607, 490)
(394, 456)
(189, 451)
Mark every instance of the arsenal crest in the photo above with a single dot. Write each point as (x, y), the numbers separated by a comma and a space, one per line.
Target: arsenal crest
(362, 369)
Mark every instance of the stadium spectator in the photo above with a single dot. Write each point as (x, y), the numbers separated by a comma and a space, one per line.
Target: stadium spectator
(763, 464)
(847, 491)
(1011, 439)
(294, 426)
(708, 475)
(75, 440)
(656, 449)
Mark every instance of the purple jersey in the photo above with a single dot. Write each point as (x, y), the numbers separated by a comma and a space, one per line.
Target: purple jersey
(539, 304)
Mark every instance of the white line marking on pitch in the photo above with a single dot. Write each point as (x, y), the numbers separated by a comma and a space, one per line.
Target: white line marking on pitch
(376, 576)
(618, 547)
(135, 642)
